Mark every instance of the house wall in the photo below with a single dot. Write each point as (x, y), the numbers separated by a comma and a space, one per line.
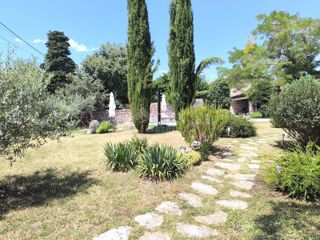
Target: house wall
(239, 106)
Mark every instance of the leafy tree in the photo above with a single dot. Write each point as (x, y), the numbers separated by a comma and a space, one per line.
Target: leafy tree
(161, 83)
(58, 64)
(219, 94)
(27, 117)
(83, 96)
(140, 73)
(292, 40)
(183, 75)
(109, 65)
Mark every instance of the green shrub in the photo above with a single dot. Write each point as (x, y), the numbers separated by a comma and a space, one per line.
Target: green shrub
(203, 123)
(297, 110)
(240, 127)
(105, 127)
(297, 173)
(191, 158)
(161, 163)
(120, 157)
(255, 115)
(218, 94)
(138, 144)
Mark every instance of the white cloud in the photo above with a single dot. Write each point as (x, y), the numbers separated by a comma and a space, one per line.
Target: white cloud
(78, 47)
(17, 40)
(38, 40)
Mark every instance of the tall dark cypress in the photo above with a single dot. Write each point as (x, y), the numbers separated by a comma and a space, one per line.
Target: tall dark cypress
(181, 55)
(140, 53)
(57, 61)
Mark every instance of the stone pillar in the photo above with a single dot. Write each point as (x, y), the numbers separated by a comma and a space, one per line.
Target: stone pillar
(252, 107)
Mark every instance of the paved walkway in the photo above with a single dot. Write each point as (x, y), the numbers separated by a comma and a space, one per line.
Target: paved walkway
(239, 173)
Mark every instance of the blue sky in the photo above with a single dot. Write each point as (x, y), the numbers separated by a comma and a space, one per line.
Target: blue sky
(220, 25)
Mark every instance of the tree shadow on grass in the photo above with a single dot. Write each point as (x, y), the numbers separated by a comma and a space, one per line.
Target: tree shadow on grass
(19, 192)
(286, 217)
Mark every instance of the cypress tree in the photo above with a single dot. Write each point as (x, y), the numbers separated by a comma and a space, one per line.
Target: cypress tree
(57, 60)
(181, 55)
(140, 53)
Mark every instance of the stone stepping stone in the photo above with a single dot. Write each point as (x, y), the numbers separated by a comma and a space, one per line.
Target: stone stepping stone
(227, 160)
(215, 172)
(254, 166)
(155, 236)
(149, 220)
(120, 233)
(217, 218)
(171, 208)
(192, 199)
(246, 185)
(229, 166)
(204, 188)
(255, 161)
(236, 194)
(240, 176)
(211, 179)
(248, 154)
(194, 231)
(226, 154)
(233, 204)
(247, 147)
(243, 159)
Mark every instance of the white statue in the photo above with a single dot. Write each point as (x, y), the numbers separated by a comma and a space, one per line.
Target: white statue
(112, 106)
(163, 103)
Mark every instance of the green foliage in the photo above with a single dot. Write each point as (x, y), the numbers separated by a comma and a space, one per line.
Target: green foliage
(139, 144)
(203, 124)
(109, 66)
(58, 64)
(161, 163)
(255, 115)
(297, 110)
(219, 94)
(239, 127)
(184, 78)
(27, 117)
(297, 173)
(292, 40)
(105, 127)
(140, 73)
(120, 157)
(80, 98)
(191, 158)
(181, 55)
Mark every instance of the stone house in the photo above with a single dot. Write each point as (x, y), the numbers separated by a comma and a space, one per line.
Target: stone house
(240, 103)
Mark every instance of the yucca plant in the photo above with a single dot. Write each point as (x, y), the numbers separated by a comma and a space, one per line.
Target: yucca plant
(161, 163)
(138, 144)
(120, 157)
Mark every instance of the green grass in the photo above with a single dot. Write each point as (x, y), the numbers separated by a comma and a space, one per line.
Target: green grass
(63, 190)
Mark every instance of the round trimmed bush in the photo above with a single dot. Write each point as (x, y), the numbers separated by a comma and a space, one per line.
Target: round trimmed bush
(161, 163)
(240, 127)
(191, 158)
(297, 110)
(255, 115)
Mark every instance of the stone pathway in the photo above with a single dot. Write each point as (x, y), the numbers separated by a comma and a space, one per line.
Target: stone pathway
(236, 174)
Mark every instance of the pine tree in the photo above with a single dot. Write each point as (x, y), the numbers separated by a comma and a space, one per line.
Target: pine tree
(140, 53)
(181, 55)
(57, 61)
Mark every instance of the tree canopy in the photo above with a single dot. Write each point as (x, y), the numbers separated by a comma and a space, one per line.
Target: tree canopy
(109, 65)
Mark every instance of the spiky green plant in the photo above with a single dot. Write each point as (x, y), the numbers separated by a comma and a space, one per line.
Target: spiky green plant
(120, 157)
(161, 163)
(139, 144)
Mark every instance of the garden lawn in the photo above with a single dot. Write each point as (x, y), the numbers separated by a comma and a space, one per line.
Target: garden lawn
(63, 190)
